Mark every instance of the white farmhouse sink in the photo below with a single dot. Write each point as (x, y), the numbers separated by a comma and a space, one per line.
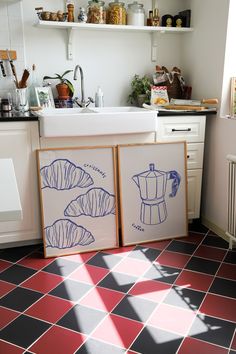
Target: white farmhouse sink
(60, 122)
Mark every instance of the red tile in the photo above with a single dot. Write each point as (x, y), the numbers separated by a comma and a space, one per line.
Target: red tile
(58, 339)
(4, 265)
(122, 251)
(6, 316)
(150, 289)
(168, 318)
(118, 330)
(8, 348)
(219, 306)
(132, 267)
(173, 259)
(194, 280)
(227, 270)
(42, 282)
(102, 299)
(35, 261)
(208, 252)
(195, 346)
(233, 344)
(49, 308)
(89, 274)
(80, 257)
(5, 287)
(160, 245)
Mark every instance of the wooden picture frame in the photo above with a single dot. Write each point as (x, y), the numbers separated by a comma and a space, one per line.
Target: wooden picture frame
(233, 98)
(78, 195)
(153, 191)
(44, 97)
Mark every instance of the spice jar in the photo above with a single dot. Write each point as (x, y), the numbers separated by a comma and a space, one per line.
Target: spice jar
(135, 14)
(96, 12)
(116, 13)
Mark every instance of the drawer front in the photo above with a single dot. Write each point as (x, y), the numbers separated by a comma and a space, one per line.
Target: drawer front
(189, 128)
(195, 155)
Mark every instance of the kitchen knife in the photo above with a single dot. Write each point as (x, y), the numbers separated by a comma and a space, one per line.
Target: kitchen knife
(179, 102)
(2, 68)
(12, 68)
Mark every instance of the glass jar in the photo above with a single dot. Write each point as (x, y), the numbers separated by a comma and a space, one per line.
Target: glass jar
(135, 14)
(96, 12)
(116, 13)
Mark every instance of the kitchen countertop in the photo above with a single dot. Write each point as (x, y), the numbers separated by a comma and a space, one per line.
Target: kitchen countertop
(14, 116)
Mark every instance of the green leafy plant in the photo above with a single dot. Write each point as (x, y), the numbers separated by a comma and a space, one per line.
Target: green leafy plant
(140, 86)
(62, 80)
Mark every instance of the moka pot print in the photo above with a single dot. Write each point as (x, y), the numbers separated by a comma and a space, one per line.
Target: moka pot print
(152, 180)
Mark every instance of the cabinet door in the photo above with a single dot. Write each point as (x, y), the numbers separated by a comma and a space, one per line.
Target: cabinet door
(194, 193)
(18, 141)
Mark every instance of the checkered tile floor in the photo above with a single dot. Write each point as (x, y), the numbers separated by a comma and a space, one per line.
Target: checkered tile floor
(167, 297)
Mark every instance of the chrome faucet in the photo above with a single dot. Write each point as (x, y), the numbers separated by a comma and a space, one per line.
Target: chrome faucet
(82, 102)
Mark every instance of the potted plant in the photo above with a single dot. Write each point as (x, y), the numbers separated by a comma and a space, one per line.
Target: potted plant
(65, 88)
(140, 90)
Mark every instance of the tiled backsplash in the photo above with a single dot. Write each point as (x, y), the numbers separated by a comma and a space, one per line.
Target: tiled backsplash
(11, 37)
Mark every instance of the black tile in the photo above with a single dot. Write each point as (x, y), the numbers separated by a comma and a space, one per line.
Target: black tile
(186, 298)
(212, 330)
(104, 260)
(93, 346)
(162, 273)
(24, 330)
(215, 241)
(82, 319)
(203, 265)
(181, 247)
(118, 281)
(154, 340)
(61, 267)
(20, 299)
(196, 226)
(16, 253)
(135, 308)
(223, 287)
(144, 253)
(16, 274)
(230, 257)
(232, 352)
(71, 290)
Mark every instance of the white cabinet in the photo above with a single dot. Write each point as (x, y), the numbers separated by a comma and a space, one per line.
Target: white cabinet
(192, 130)
(18, 141)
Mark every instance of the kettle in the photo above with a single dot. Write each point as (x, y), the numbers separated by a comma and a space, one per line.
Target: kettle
(152, 188)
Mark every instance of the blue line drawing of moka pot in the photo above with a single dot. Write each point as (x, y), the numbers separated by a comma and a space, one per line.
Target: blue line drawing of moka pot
(152, 186)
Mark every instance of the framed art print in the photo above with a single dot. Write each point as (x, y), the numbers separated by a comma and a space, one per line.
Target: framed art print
(78, 199)
(153, 195)
(44, 97)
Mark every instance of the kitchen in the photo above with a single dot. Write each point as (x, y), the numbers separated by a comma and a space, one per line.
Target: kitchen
(180, 50)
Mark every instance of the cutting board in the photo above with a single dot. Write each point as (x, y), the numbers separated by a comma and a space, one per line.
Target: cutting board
(184, 107)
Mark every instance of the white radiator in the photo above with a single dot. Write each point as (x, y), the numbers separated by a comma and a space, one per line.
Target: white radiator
(231, 232)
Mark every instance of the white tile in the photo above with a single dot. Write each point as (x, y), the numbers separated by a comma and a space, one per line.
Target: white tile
(3, 9)
(16, 32)
(14, 10)
(4, 39)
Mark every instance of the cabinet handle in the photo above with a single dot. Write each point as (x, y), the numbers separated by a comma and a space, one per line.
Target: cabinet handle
(181, 130)
(188, 156)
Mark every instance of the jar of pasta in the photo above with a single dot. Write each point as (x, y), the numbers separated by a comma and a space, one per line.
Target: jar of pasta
(96, 12)
(116, 13)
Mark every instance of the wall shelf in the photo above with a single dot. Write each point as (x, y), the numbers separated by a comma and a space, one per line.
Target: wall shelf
(72, 26)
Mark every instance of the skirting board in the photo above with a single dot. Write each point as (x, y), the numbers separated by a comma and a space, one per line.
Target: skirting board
(216, 229)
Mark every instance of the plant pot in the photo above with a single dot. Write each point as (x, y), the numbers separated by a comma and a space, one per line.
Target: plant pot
(63, 91)
(142, 99)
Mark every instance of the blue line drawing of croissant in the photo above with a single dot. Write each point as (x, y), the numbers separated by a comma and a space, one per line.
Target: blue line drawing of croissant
(97, 202)
(63, 174)
(152, 185)
(64, 233)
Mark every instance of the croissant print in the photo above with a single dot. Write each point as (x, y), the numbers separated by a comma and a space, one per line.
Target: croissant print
(64, 233)
(62, 174)
(97, 202)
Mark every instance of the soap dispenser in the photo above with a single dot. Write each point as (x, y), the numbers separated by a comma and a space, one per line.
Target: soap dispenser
(99, 102)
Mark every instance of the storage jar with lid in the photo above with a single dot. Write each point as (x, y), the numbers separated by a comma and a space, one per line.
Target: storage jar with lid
(116, 13)
(96, 12)
(135, 14)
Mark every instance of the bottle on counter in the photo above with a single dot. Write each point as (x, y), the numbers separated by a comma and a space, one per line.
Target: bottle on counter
(99, 98)
(116, 13)
(33, 101)
(96, 12)
(135, 14)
